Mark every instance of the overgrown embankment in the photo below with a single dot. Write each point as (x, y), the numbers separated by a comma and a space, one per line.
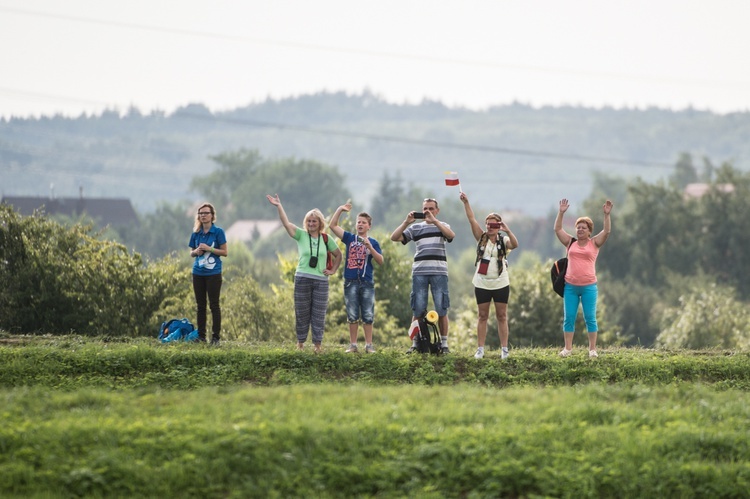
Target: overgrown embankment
(75, 362)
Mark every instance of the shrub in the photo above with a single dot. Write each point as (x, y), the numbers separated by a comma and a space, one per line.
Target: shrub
(706, 318)
(62, 279)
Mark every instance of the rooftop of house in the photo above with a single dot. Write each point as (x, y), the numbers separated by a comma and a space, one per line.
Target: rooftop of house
(245, 230)
(106, 211)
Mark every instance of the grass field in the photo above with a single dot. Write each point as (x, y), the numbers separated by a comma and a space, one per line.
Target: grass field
(133, 418)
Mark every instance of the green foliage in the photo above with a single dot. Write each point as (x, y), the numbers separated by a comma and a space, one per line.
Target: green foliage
(534, 310)
(175, 147)
(634, 308)
(162, 232)
(182, 421)
(709, 317)
(253, 314)
(273, 422)
(63, 279)
(393, 280)
(73, 362)
(244, 177)
(725, 230)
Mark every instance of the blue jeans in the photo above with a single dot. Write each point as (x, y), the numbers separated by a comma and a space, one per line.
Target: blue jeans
(440, 296)
(359, 297)
(586, 296)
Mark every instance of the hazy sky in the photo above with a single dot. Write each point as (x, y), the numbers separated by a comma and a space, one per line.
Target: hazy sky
(87, 55)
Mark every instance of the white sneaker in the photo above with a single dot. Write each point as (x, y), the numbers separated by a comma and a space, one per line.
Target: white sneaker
(593, 354)
(352, 349)
(565, 352)
(504, 354)
(479, 354)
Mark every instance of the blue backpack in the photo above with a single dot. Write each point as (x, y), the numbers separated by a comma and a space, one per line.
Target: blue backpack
(177, 330)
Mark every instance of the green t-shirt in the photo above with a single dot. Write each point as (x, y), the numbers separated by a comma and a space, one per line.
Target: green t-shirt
(307, 247)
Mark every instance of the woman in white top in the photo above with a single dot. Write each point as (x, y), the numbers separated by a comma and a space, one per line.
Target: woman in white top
(491, 280)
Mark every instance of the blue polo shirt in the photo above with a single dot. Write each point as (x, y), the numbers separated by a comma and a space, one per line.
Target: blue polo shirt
(208, 263)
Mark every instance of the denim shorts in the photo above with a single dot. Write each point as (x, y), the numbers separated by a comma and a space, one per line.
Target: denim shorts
(440, 296)
(359, 297)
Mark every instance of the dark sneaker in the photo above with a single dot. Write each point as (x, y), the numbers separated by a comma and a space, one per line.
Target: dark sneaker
(214, 342)
(445, 350)
(411, 349)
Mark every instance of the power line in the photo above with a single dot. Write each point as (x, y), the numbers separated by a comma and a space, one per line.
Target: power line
(376, 53)
(415, 142)
(430, 143)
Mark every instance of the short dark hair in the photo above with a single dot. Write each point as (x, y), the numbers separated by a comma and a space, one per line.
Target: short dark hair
(366, 216)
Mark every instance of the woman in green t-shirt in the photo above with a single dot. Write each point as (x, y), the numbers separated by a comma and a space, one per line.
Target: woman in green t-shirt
(311, 276)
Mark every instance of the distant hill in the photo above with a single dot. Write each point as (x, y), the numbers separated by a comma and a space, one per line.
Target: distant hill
(512, 157)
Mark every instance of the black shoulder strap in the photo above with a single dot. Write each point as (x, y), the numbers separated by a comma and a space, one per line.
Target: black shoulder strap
(480, 247)
(572, 240)
(501, 245)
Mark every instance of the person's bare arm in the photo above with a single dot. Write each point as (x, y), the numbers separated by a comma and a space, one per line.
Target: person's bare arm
(291, 229)
(476, 230)
(562, 236)
(334, 226)
(602, 237)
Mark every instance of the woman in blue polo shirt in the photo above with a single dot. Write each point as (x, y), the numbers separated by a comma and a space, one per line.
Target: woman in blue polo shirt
(207, 245)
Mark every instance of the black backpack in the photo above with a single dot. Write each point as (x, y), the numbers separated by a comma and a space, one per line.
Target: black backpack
(557, 272)
(428, 338)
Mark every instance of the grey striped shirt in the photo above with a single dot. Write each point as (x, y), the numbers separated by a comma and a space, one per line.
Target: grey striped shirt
(430, 257)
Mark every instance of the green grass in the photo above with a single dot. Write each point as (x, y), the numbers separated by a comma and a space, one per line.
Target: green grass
(132, 418)
(74, 362)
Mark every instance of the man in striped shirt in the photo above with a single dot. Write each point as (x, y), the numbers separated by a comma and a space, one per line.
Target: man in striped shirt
(430, 267)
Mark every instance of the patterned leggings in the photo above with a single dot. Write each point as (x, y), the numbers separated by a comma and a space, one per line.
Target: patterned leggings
(310, 305)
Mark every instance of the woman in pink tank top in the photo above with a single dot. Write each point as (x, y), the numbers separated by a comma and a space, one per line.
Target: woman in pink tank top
(580, 278)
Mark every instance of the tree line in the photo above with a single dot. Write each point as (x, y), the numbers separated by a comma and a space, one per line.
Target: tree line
(517, 157)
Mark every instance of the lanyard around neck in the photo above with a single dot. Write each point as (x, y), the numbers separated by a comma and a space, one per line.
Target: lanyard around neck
(317, 248)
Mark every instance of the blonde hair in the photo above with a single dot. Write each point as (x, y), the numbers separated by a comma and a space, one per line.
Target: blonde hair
(589, 223)
(317, 214)
(198, 223)
(494, 216)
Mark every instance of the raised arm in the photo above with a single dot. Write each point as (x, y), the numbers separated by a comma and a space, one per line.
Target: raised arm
(476, 230)
(289, 226)
(562, 236)
(334, 226)
(398, 233)
(513, 241)
(602, 237)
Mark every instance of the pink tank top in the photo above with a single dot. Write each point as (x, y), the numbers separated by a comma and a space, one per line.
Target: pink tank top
(582, 264)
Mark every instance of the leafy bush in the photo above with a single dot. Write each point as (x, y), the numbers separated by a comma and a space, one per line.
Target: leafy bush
(709, 317)
(63, 279)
